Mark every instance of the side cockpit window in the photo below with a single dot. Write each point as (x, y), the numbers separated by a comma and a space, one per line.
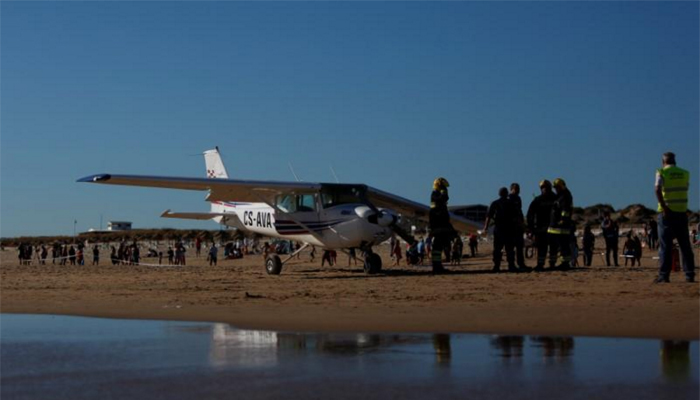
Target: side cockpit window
(291, 203)
(307, 202)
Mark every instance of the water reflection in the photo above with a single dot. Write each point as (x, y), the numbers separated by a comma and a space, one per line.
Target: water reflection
(554, 349)
(78, 355)
(675, 360)
(509, 348)
(236, 347)
(443, 350)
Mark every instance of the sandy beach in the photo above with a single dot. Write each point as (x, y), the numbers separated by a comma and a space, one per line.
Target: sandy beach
(595, 301)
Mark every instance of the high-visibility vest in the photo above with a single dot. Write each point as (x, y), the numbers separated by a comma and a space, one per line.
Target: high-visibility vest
(675, 188)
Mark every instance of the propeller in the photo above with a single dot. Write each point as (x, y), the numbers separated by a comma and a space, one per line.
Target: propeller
(385, 218)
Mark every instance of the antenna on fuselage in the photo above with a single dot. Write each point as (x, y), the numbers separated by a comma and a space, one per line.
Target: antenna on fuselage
(294, 173)
(334, 175)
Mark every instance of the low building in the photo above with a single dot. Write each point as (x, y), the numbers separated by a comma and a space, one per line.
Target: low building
(473, 212)
(118, 226)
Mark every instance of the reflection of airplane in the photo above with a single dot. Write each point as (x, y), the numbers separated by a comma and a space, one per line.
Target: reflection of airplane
(249, 348)
(328, 215)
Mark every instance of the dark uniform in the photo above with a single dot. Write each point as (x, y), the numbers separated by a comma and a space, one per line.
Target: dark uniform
(518, 230)
(538, 215)
(439, 223)
(560, 225)
(502, 213)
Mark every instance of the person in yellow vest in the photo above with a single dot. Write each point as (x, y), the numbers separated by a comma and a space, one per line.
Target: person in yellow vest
(672, 193)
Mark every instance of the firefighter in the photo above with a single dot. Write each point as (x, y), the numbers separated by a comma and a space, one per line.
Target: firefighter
(672, 193)
(538, 222)
(441, 229)
(560, 226)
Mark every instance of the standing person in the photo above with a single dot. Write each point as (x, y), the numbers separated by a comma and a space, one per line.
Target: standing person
(420, 249)
(71, 255)
(171, 254)
(352, 256)
(95, 255)
(136, 254)
(473, 244)
(672, 185)
(560, 224)
(588, 245)
(501, 214)
(396, 253)
(213, 253)
(326, 257)
(457, 248)
(198, 247)
(54, 253)
(64, 254)
(538, 215)
(312, 254)
(637, 249)
(441, 229)
(518, 240)
(629, 249)
(653, 235)
(44, 254)
(611, 233)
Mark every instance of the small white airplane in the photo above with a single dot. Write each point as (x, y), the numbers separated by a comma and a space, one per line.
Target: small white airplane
(332, 216)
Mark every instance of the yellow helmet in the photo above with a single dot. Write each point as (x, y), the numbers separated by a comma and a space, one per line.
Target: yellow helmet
(559, 182)
(545, 183)
(440, 183)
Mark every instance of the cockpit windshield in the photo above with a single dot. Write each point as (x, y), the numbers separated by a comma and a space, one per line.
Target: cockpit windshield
(334, 195)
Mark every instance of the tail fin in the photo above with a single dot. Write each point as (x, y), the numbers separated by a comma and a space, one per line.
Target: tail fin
(215, 167)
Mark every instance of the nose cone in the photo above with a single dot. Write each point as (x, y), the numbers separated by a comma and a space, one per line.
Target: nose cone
(382, 218)
(363, 212)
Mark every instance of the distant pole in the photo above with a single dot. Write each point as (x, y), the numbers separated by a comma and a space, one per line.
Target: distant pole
(75, 223)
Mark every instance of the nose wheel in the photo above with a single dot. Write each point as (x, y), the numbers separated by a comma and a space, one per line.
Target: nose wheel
(373, 263)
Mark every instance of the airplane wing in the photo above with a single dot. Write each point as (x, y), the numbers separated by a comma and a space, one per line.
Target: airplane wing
(412, 209)
(220, 189)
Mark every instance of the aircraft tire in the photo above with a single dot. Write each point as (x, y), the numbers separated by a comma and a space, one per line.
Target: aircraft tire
(373, 263)
(273, 265)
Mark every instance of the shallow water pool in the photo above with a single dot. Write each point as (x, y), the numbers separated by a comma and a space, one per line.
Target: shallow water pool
(47, 356)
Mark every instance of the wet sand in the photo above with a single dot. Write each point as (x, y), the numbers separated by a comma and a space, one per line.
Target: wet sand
(595, 301)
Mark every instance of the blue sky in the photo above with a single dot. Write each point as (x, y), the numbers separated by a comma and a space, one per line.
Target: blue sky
(390, 94)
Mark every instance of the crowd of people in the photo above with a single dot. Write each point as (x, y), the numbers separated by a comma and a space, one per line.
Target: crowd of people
(548, 225)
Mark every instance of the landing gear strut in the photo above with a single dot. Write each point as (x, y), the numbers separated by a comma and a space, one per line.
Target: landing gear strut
(273, 263)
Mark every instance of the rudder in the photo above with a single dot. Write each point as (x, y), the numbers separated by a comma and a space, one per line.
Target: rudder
(214, 164)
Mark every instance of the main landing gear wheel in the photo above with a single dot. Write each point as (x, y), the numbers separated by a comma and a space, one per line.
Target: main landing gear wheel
(273, 264)
(373, 263)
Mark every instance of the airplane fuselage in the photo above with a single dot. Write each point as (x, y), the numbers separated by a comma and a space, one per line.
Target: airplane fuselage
(338, 227)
